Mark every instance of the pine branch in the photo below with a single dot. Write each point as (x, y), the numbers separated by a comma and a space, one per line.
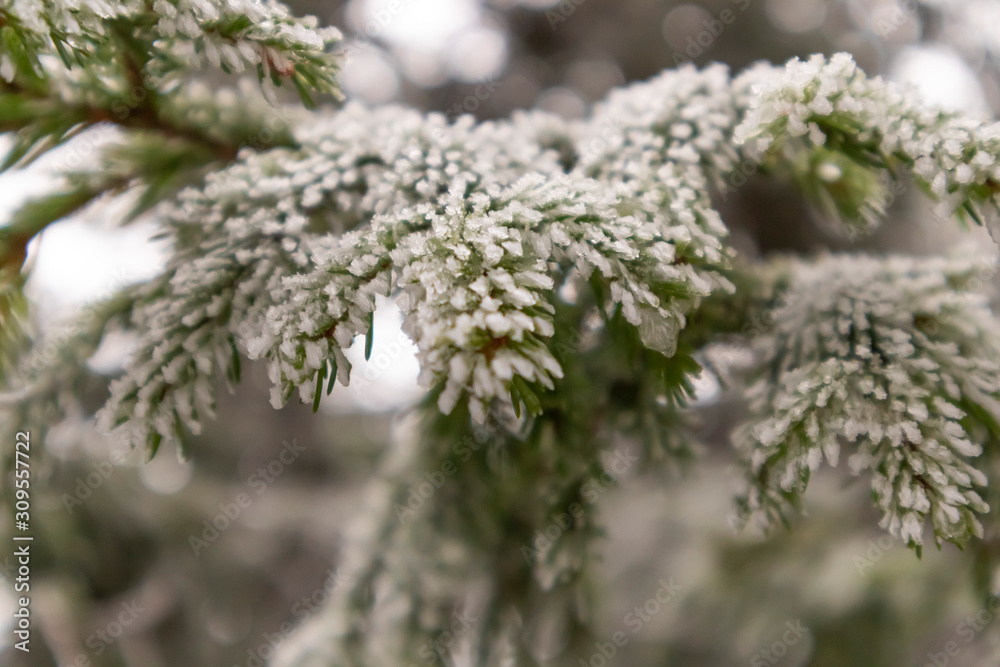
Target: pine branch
(898, 357)
(560, 281)
(47, 106)
(850, 134)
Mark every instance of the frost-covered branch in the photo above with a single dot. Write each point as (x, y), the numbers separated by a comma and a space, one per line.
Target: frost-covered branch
(560, 281)
(66, 68)
(850, 133)
(898, 358)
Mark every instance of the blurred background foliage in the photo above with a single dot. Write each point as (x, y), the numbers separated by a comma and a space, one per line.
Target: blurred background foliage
(117, 539)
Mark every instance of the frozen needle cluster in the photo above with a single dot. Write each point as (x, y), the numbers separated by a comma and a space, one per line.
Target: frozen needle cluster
(825, 107)
(897, 358)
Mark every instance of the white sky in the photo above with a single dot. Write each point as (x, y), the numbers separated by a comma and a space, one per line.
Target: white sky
(427, 41)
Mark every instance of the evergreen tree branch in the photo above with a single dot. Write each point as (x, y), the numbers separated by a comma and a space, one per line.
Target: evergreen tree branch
(135, 45)
(560, 282)
(848, 134)
(898, 357)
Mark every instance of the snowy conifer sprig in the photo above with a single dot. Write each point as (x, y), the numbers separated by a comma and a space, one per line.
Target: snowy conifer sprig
(487, 198)
(270, 217)
(898, 358)
(72, 66)
(164, 39)
(476, 284)
(851, 132)
(66, 68)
